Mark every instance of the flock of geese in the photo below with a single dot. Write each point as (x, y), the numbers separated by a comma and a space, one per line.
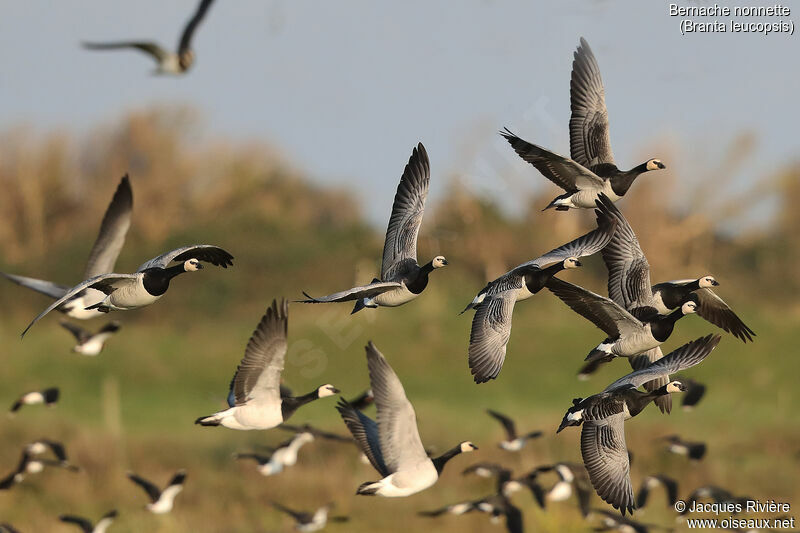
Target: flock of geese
(636, 318)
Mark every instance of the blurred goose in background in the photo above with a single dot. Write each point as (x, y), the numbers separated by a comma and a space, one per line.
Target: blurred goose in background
(603, 416)
(102, 258)
(317, 433)
(307, 522)
(694, 394)
(30, 464)
(150, 282)
(653, 482)
(47, 396)
(161, 502)
(256, 383)
(5, 527)
(402, 279)
(42, 446)
(712, 492)
(90, 343)
(497, 506)
(693, 450)
(494, 304)
(102, 525)
(572, 478)
(393, 445)
(513, 442)
(591, 169)
(168, 62)
(456, 509)
(506, 485)
(283, 455)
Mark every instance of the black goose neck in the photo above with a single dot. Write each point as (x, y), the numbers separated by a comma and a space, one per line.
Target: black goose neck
(440, 461)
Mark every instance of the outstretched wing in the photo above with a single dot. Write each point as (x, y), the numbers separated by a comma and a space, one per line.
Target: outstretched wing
(259, 373)
(688, 355)
(602, 312)
(79, 521)
(605, 456)
(113, 229)
(365, 433)
(488, 338)
(152, 491)
(407, 211)
(149, 48)
(401, 446)
(628, 269)
(80, 334)
(715, 310)
(186, 38)
(508, 424)
(202, 252)
(106, 283)
(562, 171)
(53, 290)
(356, 293)
(589, 142)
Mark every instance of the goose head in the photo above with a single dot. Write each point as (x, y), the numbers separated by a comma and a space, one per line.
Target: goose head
(689, 306)
(467, 446)
(439, 261)
(304, 438)
(192, 265)
(707, 281)
(654, 164)
(326, 390)
(571, 262)
(676, 386)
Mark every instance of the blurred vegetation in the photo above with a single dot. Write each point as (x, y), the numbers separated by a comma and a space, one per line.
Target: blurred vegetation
(133, 406)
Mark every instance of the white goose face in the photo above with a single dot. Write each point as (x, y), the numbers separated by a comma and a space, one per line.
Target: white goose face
(327, 390)
(655, 164)
(707, 281)
(192, 265)
(689, 308)
(572, 262)
(675, 386)
(439, 261)
(467, 446)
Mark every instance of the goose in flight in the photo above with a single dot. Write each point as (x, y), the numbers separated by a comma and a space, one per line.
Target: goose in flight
(150, 282)
(494, 304)
(652, 482)
(161, 502)
(41, 446)
(392, 444)
(591, 168)
(571, 478)
(693, 450)
(29, 463)
(283, 455)
(47, 396)
(402, 279)
(90, 343)
(307, 522)
(102, 258)
(693, 396)
(86, 525)
(258, 403)
(513, 442)
(603, 416)
(167, 62)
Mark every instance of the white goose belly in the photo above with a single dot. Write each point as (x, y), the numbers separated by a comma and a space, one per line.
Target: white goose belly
(254, 416)
(585, 198)
(77, 308)
(408, 482)
(395, 297)
(635, 344)
(131, 296)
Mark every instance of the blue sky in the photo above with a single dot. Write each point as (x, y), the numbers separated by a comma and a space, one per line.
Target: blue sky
(347, 88)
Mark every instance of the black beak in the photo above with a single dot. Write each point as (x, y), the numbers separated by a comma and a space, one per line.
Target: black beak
(445, 262)
(335, 390)
(578, 263)
(659, 164)
(199, 266)
(714, 283)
